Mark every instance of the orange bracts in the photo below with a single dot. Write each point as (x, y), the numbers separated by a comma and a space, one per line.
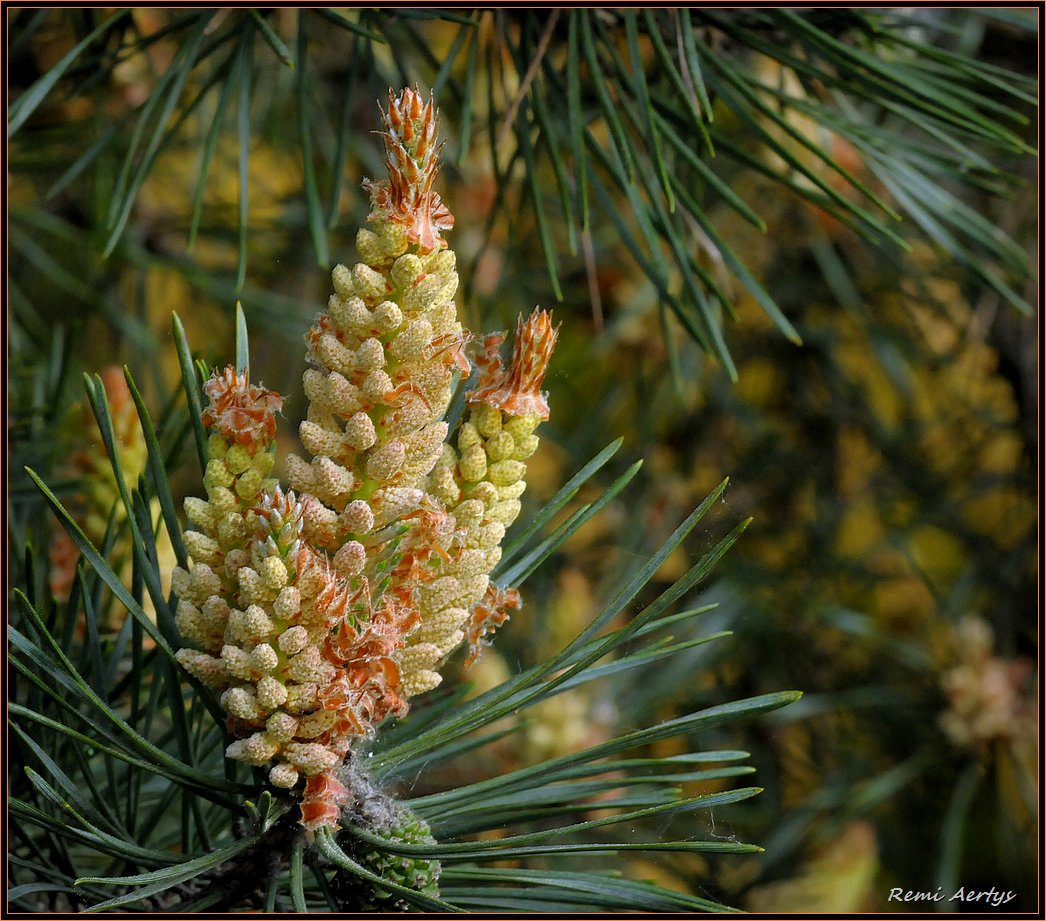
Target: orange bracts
(487, 616)
(517, 391)
(322, 801)
(241, 412)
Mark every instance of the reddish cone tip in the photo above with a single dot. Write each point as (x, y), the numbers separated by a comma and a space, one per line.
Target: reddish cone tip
(243, 413)
(517, 390)
(412, 157)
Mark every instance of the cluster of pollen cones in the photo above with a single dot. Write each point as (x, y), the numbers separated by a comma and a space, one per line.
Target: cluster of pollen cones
(320, 610)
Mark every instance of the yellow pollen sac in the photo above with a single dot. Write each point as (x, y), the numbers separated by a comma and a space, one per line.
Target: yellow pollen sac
(222, 500)
(256, 750)
(257, 625)
(449, 287)
(293, 640)
(300, 474)
(376, 385)
(368, 283)
(274, 573)
(187, 620)
(203, 582)
(301, 698)
(287, 603)
(235, 560)
(342, 279)
(487, 419)
(231, 530)
(249, 484)
(473, 464)
(209, 670)
(240, 702)
(468, 436)
(419, 657)
(237, 459)
(368, 246)
(468, 563)
(252, 589)
(487, 536)
(283, 776)
(469, 513)
(320, 522)
(264, 658)
(500, 446)
(370, 356)
(392, 502)
(350, 560)
(271, 693)
(525, 447)
(392, 238)
(422, 295)
(316, 723)
(350, 314)
(443, 487)
(519, 427)
(413, 340)
(199, 513)
(236, 627)
(238, 663)
(311, 758)
(263, 462)
(486, 492)
(216, 446)
(437, 595)
(200, 546)
(216, 608)
(471, 590)
(334, 355)
(357, 517)
(384, 463)
(444, 262)
(442, 630)
(359, 432)
(281, 726)
(387, 317)
(344, 396)
(513, 490)
(419, 682)
(506, 511)
(405, 270)
(309, 666)
(331, 478)
(506, 472)
(217, 474)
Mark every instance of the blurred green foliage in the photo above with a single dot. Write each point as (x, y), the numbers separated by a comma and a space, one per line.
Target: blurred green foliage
(179, 160)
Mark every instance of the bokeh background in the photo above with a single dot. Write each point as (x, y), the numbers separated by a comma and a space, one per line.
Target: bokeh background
(888, 461)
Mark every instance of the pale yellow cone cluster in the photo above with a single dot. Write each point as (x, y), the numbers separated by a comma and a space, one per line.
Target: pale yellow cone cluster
(240, 459)
(318, 612)
(382, 356)
(480, 485)
(258, 604)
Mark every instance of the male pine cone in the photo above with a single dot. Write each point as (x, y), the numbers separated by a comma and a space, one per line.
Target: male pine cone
(319, 611)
